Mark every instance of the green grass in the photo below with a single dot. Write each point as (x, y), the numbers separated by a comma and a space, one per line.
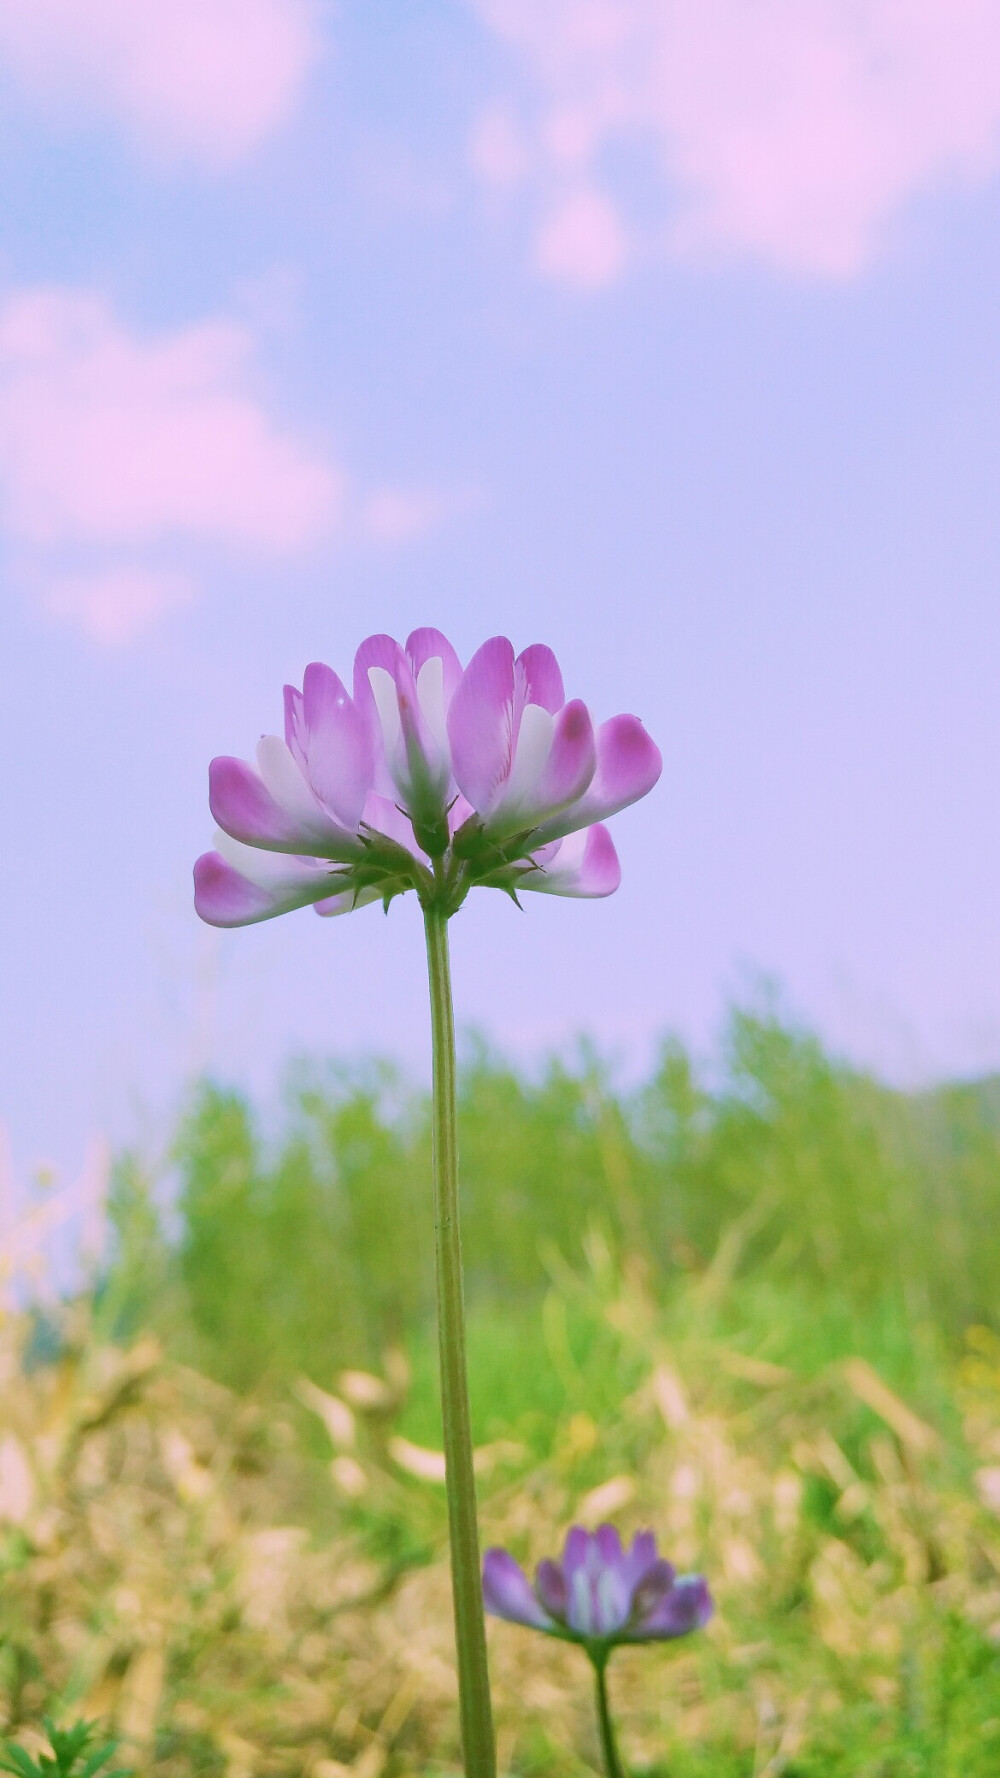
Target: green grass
(778, 1210)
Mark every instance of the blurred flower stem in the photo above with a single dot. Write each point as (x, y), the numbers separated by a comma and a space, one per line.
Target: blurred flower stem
(470, 1631)
(612, 1765)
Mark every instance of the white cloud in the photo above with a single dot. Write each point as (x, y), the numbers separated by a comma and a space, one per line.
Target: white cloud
(116, 605)
(111, 438)
(204, 79)
(790, 129)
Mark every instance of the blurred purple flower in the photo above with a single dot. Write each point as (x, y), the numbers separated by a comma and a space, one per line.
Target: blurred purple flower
(428, 778)
(599, 1594)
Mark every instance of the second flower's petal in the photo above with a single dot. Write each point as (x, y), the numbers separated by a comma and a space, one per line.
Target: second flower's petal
(507, 1592)
(480, 723)
(686, 1606)
(584, 865)
(612, 1593)
(578, 1568)
(550, 1588)
(628, 765)
(652, 1588)
(640, 1556)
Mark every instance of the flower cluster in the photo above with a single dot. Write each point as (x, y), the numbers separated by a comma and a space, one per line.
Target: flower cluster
(599, 1594)
(429, 777)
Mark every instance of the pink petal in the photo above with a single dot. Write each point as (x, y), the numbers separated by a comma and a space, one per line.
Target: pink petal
(460, 811)
(426, 645)
(337, 743)
(244, 807)
(376, 651)
(294, 723)
(423, 770)
(346, 902)
(585, 865)
(628, 765)
(480, 723)
(223, 896)
(542, 678)
(563, 777)
(388, 818)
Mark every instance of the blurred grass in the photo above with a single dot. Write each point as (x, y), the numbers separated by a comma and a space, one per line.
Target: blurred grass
(755, 1309)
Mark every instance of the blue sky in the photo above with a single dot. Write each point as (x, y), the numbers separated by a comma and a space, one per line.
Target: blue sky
(666, 336)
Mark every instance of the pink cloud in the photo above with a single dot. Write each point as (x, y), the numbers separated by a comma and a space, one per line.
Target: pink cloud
(582, 241)
(792, 129)
(116, 605)
(497, 150)
(111, 438)
(406, 515)
(207, 79)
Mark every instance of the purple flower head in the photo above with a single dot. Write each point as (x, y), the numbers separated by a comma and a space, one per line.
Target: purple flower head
(426, 777)
(599, 1594)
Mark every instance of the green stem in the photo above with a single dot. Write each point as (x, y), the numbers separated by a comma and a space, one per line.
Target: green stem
(612, 1764)
(470, 1630)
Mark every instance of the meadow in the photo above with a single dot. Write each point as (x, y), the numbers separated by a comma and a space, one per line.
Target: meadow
(752, 1305)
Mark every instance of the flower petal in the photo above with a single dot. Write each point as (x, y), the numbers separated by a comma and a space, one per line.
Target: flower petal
(584, 865)
(542, 678)
(388, 818)
(550, 1588)
(427, 645)
(375, 651)
(611, 1590)
(337, 744)
(507, 1592)
(346, 902)
(578, 1563)
(480, 723)
(654, 1586)
(225, 896)
(293, 821)
(628, 765)
(553, 764)
(609, 1547)
(423, 770)
(408, 721)
(384, 652)
(640, 1556)
(686, 1606)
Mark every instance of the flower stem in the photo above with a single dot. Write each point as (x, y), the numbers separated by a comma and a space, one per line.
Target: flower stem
(470, 1630)
(612, 1763)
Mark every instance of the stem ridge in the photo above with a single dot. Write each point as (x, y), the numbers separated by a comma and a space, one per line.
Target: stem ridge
(475, 1710)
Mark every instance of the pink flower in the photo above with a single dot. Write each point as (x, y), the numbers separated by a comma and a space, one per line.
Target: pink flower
(428, 778)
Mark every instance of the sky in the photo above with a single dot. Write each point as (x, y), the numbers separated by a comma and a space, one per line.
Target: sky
(661, 331)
